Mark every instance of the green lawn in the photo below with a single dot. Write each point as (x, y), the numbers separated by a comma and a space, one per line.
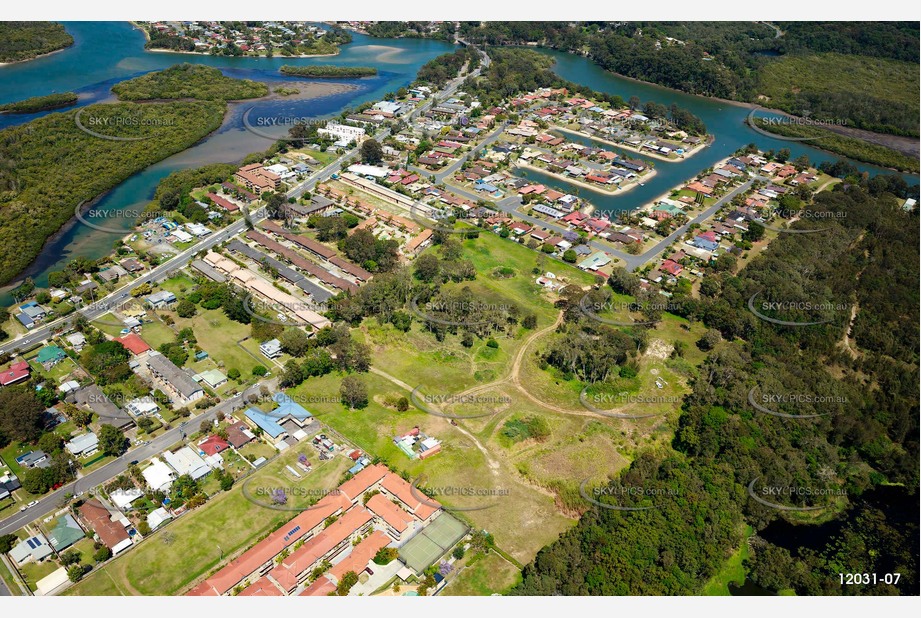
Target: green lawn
(483, 576)
(169, 561)
(34, 571)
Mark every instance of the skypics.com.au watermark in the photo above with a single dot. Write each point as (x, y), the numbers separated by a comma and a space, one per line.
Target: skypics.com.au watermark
(793, 305)
(483, 497)
(425, 403)
(270, 127)
(790, 121)
(614, 402)
(283, 498)
(97, 124)
(769, 402)
(97, 218)
(591, 309)
(804, 215)
(430, 310)
(626, 493)
(773, 496)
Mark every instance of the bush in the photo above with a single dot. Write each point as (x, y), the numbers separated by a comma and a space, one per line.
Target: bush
(104, 553)
(259, 370)
(492, 343)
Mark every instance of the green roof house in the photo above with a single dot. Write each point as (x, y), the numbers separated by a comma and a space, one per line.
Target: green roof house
(50, 355)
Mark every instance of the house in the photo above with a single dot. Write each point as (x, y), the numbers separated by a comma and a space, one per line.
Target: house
(92, 397)
(49, 356)
(110, 532)
(212, 377)
(178, 384)
(17, 372)
(671, 267)
(706, 241)
(224, 203)
(33, 549)
(271, 348)
(161, 299)
(158, 475)
(212, 445)
(76, 340)
(34, 459)
(65, 533)
(420, 242)
(141, 406)
(134, 344)
(288, 419)
(83, 445)
(239, 434)
(158, 517)
(113, 273)
(595, 261)
(186, 461)
(132, 265)
(31, 314)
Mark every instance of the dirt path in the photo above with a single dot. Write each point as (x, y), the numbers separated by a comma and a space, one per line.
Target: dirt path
(493, 464)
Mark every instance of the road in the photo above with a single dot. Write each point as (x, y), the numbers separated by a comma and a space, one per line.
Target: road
(52, 502)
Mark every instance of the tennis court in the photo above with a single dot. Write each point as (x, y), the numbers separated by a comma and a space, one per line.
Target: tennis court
(432, 543)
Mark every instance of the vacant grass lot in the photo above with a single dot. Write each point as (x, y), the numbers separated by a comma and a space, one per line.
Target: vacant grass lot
(483, 576)
(181, 553)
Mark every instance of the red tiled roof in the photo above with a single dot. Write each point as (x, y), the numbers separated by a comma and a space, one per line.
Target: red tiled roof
(312, 551)
(320, 588)
(15, 373)
(360, 556)
(396, 518)
(403, 492)
(262, 587)
(361, 482)
(97, 516)
(134, 343)
(213, 445)
(244, 566)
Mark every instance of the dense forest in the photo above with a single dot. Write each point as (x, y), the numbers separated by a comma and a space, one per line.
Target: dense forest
(862, 377)
(23, 40)
(327, 70)
(40, 104)
(438, 71)
(189, 81)
(412, 29)
(729, 60)
(82, 166)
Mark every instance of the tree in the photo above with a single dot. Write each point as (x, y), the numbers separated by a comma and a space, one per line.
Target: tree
(259, 370)
(81, 417)
(144, 527)
(710, 339)
(233, 373)
(371, 151)
(402, 404)
(295, 342)
(20, 412)
(529, 321)
(185, 309)
(6, 542)
(104, 553)
(50, 442)
(112, 441)
(353, 392)
(570, 256)
(426, 267)
(75, 572)
(345, 584)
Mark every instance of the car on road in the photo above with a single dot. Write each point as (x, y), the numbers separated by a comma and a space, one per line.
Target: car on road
(28, 506)
(133, 462)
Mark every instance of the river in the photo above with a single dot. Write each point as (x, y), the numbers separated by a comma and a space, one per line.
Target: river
(105, 53)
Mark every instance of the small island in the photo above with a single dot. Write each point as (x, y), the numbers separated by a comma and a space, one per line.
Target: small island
(327, 70)
(25, 40)
(189, 81)
(44, 103)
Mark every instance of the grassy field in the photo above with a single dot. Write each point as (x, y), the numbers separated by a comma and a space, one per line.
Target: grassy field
(484, 575)
(732, 571)
(522, 518)
(176, 556)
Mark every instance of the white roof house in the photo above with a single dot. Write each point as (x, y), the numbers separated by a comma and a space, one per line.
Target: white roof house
(158, 475)
(181, 236)
(33, 548)
(85, 444)
(158, 517)
(141, 406)
(122, 498)
(187, 461)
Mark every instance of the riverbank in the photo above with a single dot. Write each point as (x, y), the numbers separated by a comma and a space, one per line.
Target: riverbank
(621, 190)
(195, 53)
(51, 53)
(652, 155)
